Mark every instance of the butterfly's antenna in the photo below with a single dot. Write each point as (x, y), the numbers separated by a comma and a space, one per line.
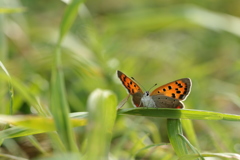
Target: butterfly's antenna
(138, 83)
(152, 86)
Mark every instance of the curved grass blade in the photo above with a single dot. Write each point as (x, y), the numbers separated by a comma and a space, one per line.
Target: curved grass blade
(218, 155)
(29, 125)
(16, 132)
(79, 115)
(150, 146)
(190, 132)
(102, 114)
(179, 113)
(11, 93)
(36, 144)
(25, 93)
(6, 156)
(68, 18)
(218, 133)
(12, 10)
(174, 128)
(62, 156)
(191, 146)
(59, 105)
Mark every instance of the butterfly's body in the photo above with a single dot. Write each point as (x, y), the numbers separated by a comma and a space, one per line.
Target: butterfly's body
(147, 101)
(167, 96)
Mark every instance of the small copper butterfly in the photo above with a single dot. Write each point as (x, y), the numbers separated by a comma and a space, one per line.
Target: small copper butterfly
(167, 96)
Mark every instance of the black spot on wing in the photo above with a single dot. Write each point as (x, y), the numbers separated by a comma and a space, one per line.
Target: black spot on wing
(180, 85)
(173, 95)
(169, 87)
(124, 78)
(178, 92)
(164, 89)
(181, 96)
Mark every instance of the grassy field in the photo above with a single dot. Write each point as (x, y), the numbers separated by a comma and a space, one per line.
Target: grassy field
(59, 89)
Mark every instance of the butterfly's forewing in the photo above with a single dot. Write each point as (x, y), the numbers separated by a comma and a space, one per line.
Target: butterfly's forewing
(178, 89)
(162, 101)
(131, 87)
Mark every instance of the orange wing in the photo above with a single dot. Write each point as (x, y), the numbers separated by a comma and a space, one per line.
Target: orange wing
(178, 89)
(129, 84)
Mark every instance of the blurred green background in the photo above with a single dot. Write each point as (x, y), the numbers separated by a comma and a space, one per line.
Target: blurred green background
(153, 41)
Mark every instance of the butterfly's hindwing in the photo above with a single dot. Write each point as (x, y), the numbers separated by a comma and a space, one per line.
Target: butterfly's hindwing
(162, 101)
(178, 89)
(136, 99)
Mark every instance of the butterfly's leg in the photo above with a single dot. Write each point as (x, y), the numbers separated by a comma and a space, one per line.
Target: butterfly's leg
(121, 104)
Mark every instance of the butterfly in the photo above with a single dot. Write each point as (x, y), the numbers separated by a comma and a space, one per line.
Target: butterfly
(169, 95)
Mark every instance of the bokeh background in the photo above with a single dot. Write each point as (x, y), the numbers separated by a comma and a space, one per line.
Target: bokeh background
(153, 41)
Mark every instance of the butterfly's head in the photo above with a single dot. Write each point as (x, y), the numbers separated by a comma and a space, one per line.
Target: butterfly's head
(146, 93)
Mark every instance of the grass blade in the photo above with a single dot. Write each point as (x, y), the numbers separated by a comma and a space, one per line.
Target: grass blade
(11, 93)
(60, 110)
(174, 128)
(59, 106)
(190, 133)
(102, 113)
(28, 125)
(12, 10)
(191, 147)
(217, 155)
(179, 113)
(6, 156)
(68, 18)
(149, 146)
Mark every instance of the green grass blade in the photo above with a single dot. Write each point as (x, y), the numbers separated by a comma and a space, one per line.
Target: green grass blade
(60, 111)
(69, 17)
(3, 57)
(24, 92)
(102, 114)
(217, 155)
(79, 115)
(174, 128)
(11, 93)
(59, 105)
(36, 144)
(191, 146)
(218, 133)
(62, 156)
(16, 132)
(39, 123)
(12, 10)
(28, 125)
(190, 133)
(6, 156)
(179, 113)
(149, 146)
